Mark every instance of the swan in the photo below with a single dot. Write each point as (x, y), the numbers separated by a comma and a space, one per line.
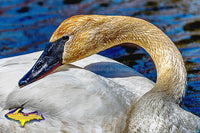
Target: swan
(73, 99)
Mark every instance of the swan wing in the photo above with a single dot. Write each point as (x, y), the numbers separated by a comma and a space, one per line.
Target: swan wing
(70, 100)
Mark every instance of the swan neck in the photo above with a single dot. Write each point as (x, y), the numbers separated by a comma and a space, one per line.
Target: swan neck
(171, 73)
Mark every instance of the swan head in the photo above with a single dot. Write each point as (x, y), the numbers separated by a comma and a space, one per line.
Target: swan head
(77, 37)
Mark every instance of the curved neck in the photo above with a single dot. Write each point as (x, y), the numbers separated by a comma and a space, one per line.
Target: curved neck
(171, 73)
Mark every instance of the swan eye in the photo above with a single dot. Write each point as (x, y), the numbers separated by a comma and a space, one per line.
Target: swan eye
(65, 38)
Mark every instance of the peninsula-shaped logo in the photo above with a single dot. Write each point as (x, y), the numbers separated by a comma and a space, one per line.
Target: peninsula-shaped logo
(23, 118)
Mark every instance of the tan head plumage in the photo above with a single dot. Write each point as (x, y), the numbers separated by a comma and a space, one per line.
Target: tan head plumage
(90, 34)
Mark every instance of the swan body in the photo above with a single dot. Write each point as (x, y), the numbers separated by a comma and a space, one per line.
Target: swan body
(73, 99)
(104, 111)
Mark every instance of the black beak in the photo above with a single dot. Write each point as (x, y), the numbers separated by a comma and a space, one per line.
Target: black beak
(50, 59)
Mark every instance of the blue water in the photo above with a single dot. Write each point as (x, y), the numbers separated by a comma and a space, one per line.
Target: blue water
(26, 26)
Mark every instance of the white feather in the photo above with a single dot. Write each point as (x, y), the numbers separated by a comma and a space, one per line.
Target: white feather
(71, 100)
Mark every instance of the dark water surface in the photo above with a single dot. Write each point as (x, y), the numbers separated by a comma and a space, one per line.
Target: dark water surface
(26, 26)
